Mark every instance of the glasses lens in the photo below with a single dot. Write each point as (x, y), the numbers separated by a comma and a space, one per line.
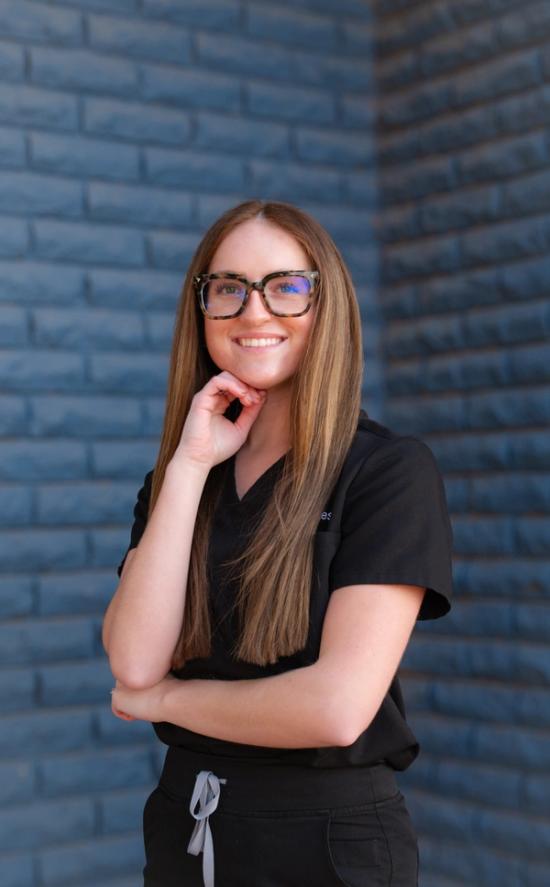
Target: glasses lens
(223, 296)
(288, 294)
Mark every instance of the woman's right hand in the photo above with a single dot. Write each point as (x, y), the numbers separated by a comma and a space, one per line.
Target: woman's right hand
(208, 437)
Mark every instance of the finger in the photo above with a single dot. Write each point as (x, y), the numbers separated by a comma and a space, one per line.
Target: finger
(248, 416)
(226, 385)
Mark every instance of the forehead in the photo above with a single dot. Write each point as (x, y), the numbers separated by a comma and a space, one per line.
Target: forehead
(256, 248)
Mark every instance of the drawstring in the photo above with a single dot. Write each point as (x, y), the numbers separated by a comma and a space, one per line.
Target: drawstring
(206, 792)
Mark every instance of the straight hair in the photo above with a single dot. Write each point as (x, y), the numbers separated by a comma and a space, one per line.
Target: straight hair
(274, 574)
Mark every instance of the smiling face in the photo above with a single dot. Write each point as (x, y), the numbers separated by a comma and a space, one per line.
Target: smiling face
(256, 248)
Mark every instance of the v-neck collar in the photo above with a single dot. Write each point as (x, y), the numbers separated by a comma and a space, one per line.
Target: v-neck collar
(256, 486)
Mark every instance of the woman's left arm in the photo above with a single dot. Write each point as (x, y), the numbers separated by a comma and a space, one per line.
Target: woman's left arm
(329, 703)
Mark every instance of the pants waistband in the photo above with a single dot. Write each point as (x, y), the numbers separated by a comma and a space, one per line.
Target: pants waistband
(256, 786)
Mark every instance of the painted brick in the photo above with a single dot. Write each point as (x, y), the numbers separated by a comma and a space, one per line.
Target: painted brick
(508, 158)
(289, 26)
(516, 239)
(238, 54)
(41, 550)
(114, 731)
(91, 417)
(135, 122)
(12, 148)
(530, 194)
(358, 110)
(128, 372)
(198, 13)
(110, 5)
(460, 210)
(149, 206)
(81, 684)
(57, 731)
(323, 146)
(455, 351)
(96, 859)
(169, 250)
(27, 827)
(290, 103)
(73, 155)
(143, 289)
(17, 689)
(332, 71)
(238, 135)
(109, 462)
(80, 69)
(19, 370)
(292, 181)
(44, 641)
(190, 89)
(186, 169)
(62, 328)
(422, 24)
(16, 782)
(145, 39)
(14, 237)
(79, 773)
(12, 62)
(60, 504)
(36, 21)
(96, 244)
(31, 281)
(14, 326)
(30, 194)
(16, 597)
(122, 812)
(18, 870)
(78, 592)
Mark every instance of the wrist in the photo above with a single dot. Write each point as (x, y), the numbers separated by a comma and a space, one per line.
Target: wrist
(181, 466)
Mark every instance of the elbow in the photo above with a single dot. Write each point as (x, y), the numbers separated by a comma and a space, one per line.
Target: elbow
(344, 727)
(136, 678)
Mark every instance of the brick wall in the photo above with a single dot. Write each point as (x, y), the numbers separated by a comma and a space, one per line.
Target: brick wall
(464, 172)
(126, 127)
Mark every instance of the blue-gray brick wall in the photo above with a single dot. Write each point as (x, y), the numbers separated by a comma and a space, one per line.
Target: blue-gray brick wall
(126, 127)
(464, 173)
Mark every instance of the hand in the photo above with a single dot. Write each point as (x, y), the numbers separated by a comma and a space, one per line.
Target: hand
(208, 437)
(141, 705)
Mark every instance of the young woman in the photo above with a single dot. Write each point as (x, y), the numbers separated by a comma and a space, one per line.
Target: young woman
(287, 545)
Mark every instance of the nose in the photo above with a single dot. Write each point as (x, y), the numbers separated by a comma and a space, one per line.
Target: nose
(255, 306)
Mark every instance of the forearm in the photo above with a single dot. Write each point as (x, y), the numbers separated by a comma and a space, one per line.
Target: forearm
(296, 709)
(144, 620)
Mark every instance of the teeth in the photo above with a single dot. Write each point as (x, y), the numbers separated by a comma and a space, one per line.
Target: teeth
(258, 343)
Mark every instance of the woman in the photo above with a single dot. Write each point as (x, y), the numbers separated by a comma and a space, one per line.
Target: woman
(287, 545)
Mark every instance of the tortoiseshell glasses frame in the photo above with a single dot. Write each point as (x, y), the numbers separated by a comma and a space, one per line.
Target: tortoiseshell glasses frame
(200, 281)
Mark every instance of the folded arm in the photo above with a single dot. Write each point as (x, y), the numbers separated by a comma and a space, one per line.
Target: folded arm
(331, 702)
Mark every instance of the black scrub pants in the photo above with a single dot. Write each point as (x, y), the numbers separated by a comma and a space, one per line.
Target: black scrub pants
(272, 825)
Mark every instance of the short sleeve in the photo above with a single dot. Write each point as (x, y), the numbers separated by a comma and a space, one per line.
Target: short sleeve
(395, 526)
(140, 517)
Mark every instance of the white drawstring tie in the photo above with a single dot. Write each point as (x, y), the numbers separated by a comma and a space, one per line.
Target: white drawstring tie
(206, 792)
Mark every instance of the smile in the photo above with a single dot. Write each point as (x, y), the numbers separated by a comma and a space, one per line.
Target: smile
(259, 343)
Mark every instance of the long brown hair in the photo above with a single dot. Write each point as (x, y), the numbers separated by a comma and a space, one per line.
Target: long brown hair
(276, 569)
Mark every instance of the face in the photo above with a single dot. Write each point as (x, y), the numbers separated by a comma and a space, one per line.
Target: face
(256, 248)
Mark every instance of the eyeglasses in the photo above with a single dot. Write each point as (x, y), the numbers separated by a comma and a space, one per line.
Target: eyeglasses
(284, 293)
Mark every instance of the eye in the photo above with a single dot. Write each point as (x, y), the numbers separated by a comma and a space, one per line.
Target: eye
(227, 289)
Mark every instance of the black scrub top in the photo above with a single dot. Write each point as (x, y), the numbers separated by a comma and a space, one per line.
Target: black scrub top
(386, 521)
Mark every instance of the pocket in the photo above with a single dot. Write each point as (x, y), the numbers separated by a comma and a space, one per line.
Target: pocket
(374, 845)
(357, 847)
(261, 849)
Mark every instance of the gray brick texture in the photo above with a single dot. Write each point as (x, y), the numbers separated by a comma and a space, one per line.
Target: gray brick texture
(417, 132)
(126, 127)
(463, 165)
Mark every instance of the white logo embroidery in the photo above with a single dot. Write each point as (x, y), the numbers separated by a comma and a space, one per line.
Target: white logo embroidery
(326, 515)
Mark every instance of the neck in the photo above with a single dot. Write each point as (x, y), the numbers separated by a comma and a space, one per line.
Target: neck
(270, 433)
